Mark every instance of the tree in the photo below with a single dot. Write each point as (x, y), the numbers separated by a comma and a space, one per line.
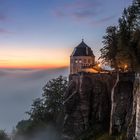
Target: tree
(44, 110)
(37, 110)
(136, 33)
(109, 51)
(136, 45)
(121, 46)
(127, 28)
(51, 103)
(136, 7)
(54, 95)
(3, 135)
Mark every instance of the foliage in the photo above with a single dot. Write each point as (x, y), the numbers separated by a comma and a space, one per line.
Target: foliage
(47, 108)
(44, 110)
(24, 126)
(53, 95)
(93, 135)
(108, 52)
(121, 43)
(3, 135)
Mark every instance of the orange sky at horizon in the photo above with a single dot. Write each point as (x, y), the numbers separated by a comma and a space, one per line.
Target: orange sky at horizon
(34, 57)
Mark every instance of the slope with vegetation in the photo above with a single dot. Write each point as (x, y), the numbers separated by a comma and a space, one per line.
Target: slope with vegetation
(45, 111)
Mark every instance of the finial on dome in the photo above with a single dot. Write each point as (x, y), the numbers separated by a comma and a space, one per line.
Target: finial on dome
(82, 39)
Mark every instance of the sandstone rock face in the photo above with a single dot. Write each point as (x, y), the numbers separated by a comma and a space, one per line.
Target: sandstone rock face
(87, 103)
(105, 102)
(126, 107)
(133, 131)
(122, 104)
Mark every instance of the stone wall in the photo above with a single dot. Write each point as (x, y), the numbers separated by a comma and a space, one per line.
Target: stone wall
(78, 62)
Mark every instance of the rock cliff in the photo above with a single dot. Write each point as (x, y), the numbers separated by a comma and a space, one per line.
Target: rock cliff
(105, 102)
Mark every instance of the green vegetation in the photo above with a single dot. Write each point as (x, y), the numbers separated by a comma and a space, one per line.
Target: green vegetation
(44, 111)
(3, 135)
(121, 43)
(94, 135)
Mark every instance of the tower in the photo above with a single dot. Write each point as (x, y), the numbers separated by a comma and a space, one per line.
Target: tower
(81, 57)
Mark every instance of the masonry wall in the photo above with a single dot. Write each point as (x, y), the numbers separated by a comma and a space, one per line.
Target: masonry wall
(77, 62)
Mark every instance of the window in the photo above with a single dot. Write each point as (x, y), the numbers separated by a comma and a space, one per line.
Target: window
(80, 61)
(76, 61)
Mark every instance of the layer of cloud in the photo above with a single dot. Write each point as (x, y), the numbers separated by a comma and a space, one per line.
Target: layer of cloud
(50, 133)
(3, 17)
(106, 19)
(17, 90)
(84, 14)
(4, 31)
(89, 11)
(78, 9)
(103, 20)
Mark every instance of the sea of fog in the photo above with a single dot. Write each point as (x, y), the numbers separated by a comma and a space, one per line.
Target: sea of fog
(18, 88)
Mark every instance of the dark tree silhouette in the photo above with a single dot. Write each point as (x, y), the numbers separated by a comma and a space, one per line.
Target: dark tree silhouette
(122, 43)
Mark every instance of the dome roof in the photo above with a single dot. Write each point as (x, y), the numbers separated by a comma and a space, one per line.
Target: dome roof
(82, 50)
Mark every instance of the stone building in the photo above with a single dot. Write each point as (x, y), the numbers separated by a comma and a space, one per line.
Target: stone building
(81, 58)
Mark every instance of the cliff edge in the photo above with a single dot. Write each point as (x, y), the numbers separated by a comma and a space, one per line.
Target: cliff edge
(102, 102)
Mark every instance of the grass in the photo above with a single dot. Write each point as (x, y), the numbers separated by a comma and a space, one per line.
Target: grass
(93, 135)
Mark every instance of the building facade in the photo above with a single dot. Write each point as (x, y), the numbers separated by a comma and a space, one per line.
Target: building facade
(81, 58)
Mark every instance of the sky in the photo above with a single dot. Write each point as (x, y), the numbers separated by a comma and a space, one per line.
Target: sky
(43, 33)
(40, 34)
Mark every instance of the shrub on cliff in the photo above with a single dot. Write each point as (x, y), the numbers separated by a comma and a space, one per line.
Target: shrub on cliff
(94, 134)
(3, 135)
(45, 110)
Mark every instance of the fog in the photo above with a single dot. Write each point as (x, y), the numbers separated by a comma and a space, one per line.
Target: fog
(50, 133)
(18, 88)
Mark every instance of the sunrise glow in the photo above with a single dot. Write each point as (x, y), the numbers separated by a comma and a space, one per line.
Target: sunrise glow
(34, 58)
(42, 34)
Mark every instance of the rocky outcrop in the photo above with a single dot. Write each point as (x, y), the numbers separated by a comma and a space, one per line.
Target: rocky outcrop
(87, 103)
(122, 104)
(133, 131)
(104, 102)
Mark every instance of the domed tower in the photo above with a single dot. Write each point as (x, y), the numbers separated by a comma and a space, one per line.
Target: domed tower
(81, 57)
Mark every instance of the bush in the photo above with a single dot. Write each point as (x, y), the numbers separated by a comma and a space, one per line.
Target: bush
(3, 135)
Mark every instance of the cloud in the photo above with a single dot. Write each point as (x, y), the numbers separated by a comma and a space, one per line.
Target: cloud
(17, 90)
(5, 31)
(78, 9)
(3, 60)
(82, 4)
(86, 11)
(50, 133)
(59, 13)
(84, 14)
(106, 19)
(3, 17)
(103, 20)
